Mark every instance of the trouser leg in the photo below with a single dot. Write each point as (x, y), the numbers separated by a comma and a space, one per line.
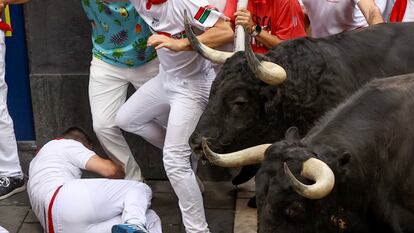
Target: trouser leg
(107, 93)
(138, 115)
(82, 205)
(9, 159)
(2, 230)
(188, 100)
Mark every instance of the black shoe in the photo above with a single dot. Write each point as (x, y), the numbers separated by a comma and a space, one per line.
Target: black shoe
(246, 173)
(10, 186)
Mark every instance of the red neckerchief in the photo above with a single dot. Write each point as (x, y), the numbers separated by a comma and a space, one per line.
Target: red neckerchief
(398, 11)
(5, 27)
(260, 1)
(154, 2)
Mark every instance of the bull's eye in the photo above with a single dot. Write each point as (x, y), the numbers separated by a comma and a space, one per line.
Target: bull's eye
(239, 106)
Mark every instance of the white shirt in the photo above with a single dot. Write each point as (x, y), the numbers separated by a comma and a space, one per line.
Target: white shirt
(57, 162)
(168, 18)
(328, 17)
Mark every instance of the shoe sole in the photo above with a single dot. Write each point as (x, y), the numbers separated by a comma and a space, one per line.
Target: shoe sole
(15, 191)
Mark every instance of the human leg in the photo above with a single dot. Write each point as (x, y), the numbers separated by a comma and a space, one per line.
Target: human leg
(188, 99)
(11, 177)
(87, 205)
(139, 112)
(107, 92)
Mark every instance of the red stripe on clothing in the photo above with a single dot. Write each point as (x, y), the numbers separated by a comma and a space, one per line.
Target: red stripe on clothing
(5, 27)
(199, 13)
(49, 211)
(164, 33)
(398, 11)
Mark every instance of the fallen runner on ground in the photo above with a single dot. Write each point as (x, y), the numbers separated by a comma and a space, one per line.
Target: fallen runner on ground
(65, 203)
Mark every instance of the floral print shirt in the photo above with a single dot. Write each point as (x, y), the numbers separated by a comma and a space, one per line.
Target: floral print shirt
(119, 34)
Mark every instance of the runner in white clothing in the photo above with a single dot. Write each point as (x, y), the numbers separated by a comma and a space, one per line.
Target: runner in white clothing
(64, 203)
(181, 89)
(11, 175)
(328, 17)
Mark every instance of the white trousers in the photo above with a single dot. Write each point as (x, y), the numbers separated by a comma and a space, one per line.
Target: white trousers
(9, 159)
(108, 86)
(95, 205)
(185, 100)
(2, 230)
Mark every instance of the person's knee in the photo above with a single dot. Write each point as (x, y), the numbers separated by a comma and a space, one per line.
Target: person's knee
(123, 120)
(141, 188)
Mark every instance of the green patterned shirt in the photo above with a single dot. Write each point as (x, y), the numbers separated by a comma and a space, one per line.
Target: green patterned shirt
(119, 34)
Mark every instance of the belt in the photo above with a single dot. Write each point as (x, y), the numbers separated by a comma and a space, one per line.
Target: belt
(49, 211)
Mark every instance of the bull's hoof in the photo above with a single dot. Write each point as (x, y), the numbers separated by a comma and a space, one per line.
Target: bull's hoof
(246, 173)
(252, 202)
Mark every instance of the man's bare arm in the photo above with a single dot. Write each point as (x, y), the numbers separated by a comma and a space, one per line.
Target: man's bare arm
(220, 34)
(15, 1)
(371, 11)
(105, 167)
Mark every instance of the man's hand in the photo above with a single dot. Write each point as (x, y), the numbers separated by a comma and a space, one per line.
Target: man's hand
(3, 4)
(244, 18)
(161, 41)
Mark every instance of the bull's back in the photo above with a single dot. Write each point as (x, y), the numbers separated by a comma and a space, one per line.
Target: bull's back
(377, 51)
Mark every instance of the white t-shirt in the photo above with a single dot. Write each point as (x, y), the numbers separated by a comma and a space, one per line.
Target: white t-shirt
(58, 162)
(168, 19)
(328, 17)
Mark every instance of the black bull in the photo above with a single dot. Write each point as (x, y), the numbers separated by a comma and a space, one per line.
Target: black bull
(367, 143)
(244, 111)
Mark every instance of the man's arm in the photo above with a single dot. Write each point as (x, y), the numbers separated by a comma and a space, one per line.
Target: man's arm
(15, 1)
(105, 167)
(4, 3)
(370, 11)
(220, 34)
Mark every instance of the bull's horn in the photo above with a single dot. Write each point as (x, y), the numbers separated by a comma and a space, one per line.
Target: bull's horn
(269, 72)
(316, 170)
(213, 55)
(241, 158)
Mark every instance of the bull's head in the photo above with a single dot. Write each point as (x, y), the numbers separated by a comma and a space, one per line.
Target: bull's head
(303, 199)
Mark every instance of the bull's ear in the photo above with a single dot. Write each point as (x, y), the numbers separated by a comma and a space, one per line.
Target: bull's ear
(292, 134)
